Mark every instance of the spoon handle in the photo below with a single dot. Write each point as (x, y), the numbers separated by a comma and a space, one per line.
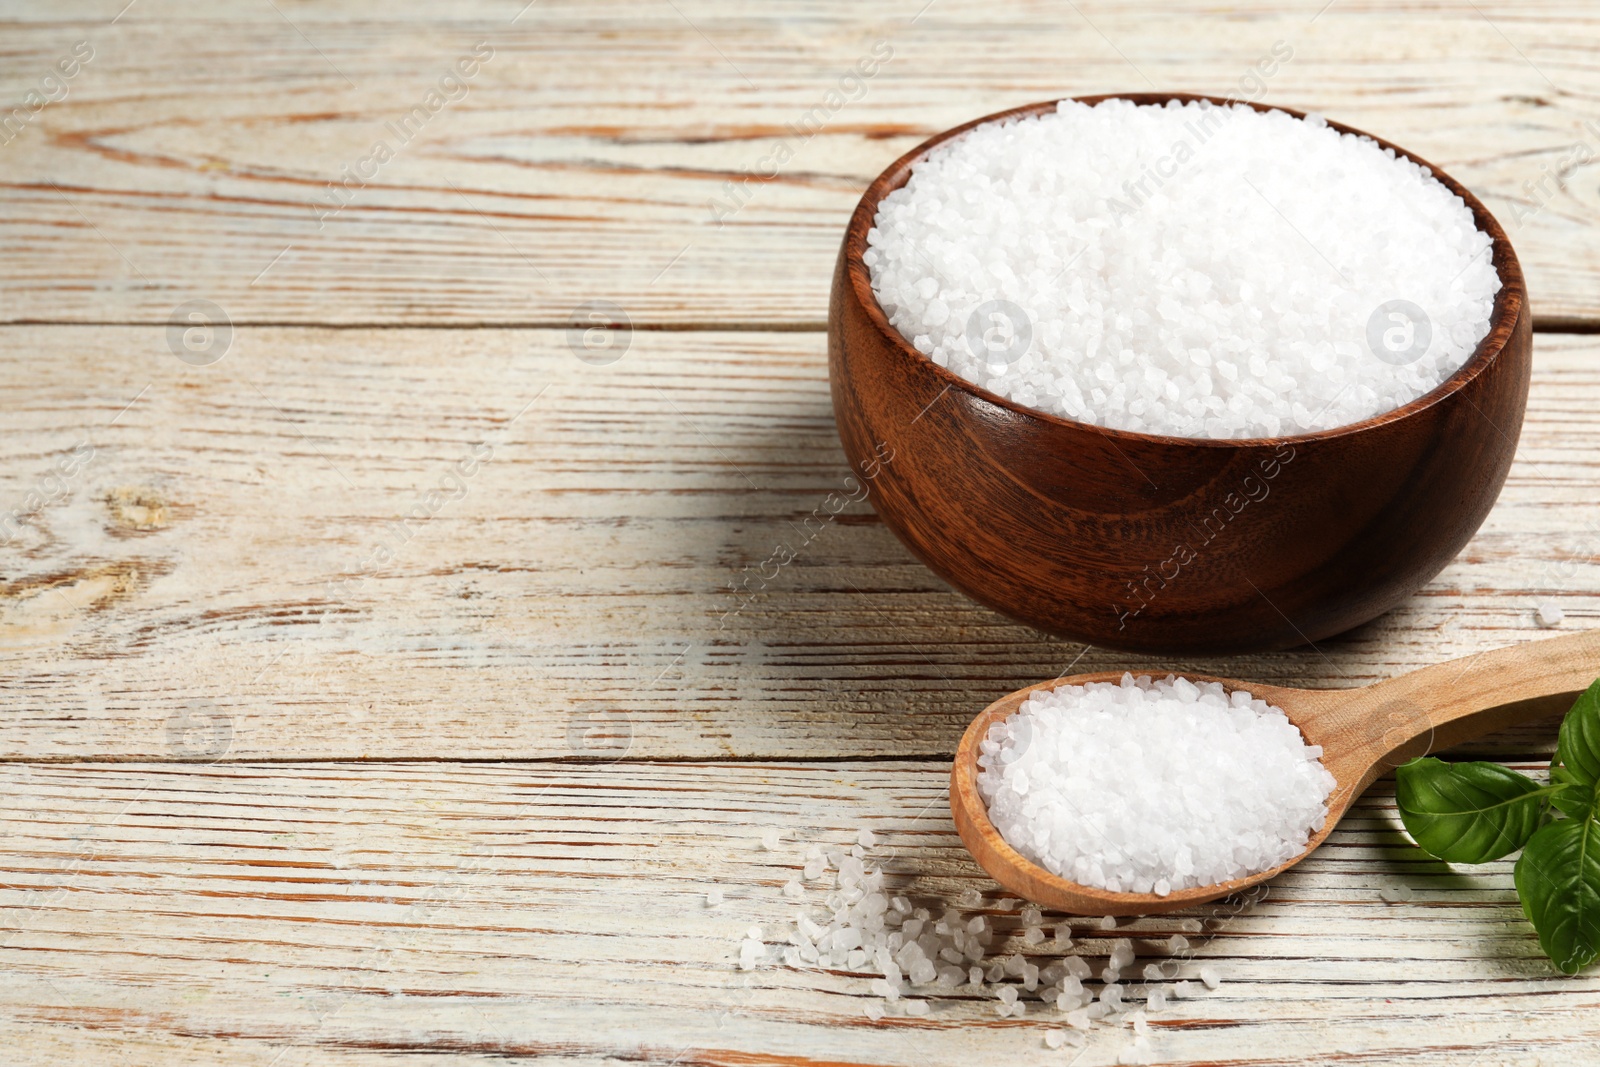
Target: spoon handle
(1433, 708)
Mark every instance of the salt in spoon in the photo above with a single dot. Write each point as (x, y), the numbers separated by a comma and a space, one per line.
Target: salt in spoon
(1363, 732)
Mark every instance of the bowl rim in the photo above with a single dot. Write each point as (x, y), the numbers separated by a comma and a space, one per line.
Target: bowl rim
(1510, 302)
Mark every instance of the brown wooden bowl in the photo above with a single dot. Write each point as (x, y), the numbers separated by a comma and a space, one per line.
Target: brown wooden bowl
(1167, 544)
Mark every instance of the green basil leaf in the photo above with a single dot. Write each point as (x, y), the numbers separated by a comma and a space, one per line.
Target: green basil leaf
(1558, 881)
(1579, 746)
(1468, 812)
(1571, 798)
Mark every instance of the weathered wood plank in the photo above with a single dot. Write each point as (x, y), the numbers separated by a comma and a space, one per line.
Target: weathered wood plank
(320, 914)
(213, 580)
(188, 157)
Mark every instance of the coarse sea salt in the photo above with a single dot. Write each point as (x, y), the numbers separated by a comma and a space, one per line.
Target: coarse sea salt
(935, 957)
(1148, 783)
(1188, 270)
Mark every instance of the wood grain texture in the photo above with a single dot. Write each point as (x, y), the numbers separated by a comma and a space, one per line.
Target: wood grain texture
(575, 601)
(243, 562)
(189, 155)
(545, 910)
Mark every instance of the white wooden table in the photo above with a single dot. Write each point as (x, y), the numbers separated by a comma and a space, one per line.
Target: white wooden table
(366, 692)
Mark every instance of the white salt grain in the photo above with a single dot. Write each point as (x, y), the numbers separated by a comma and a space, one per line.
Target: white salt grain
(1187, 269)
(1054, 1039)
(1395, 894)
(1548, 616)
(1118, 785)
(771, 838)
(866, 838)
(1209, 976)
(714, 897)
(938, 950)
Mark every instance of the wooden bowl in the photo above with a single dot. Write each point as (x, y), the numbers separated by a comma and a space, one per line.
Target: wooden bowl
(1167, 544)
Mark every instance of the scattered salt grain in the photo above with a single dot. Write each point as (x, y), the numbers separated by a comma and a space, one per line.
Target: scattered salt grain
(1177, 943)
(793, 889)
(1032, 935)
(1395, 894)
(1054, 1038)
(714, 897)
(866, 838)
(1209, 976)
(1177, 780)
(1254, 291)
(969, 898)
(1109, 922)
(771, 838)
(1548, 616)
(910, 952)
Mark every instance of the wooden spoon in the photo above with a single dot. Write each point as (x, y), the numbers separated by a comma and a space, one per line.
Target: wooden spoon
(1363, 733)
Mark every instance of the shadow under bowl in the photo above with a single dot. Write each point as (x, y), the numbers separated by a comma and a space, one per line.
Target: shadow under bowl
(1163, 544)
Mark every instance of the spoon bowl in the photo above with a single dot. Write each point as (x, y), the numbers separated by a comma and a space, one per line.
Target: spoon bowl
(1363, 732)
